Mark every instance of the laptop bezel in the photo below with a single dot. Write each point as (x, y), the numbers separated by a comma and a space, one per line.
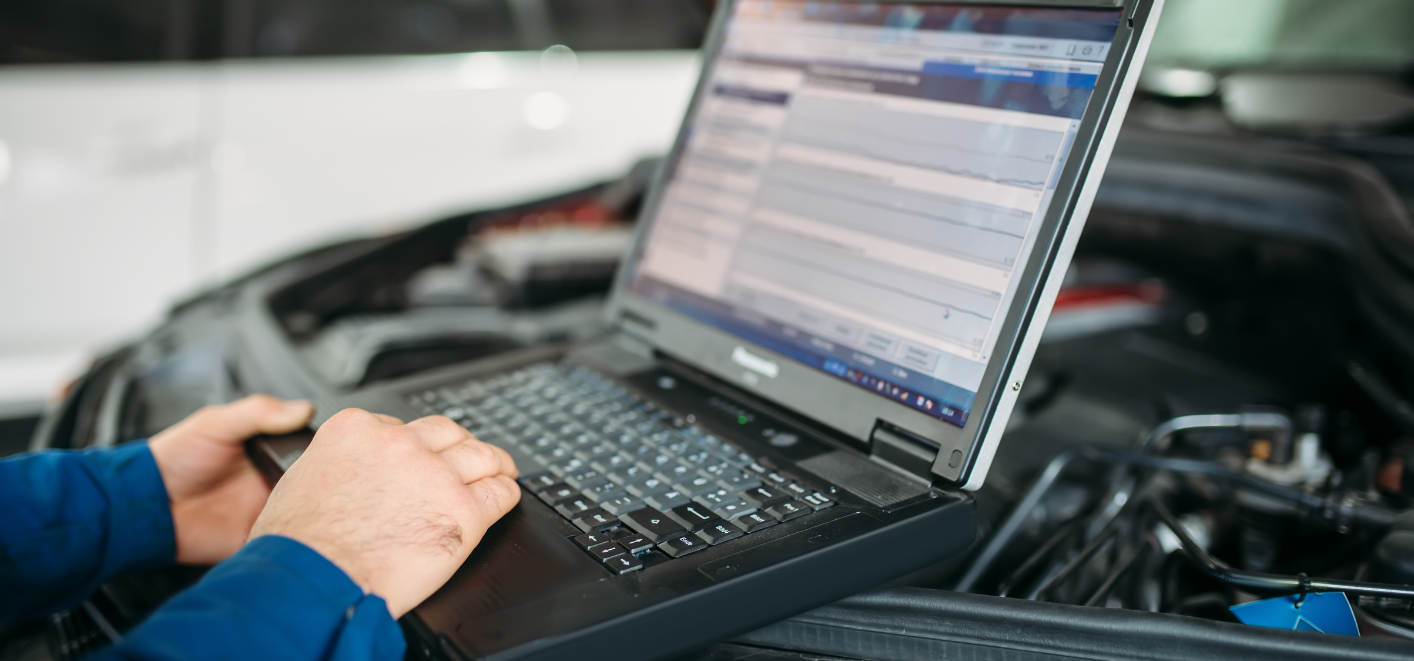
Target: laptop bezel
(963, 453)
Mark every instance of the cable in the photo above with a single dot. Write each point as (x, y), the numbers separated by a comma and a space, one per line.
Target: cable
(1255, 581)
(1251, 581)
(1056, 540)
(1159, 438)
(1120, 570)
(1018, 516)
(1383, 394)
(1342, 509)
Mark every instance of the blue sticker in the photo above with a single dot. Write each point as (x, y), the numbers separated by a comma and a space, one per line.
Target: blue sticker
(1322, 612)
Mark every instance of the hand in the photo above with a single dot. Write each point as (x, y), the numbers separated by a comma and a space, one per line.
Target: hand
(215, 491)
(397, 507)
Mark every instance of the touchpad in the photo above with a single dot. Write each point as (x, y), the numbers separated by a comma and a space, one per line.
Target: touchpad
(522, 558)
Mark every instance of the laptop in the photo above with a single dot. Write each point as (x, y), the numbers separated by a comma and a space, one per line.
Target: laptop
(839, 280)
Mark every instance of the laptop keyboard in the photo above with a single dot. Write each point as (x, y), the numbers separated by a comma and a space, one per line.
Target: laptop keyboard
(634, 478)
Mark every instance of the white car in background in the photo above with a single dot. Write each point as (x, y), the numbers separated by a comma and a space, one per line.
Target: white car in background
(127, 186)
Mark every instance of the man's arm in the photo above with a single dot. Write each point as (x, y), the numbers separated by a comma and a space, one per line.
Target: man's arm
(275, 599)
(71, 520)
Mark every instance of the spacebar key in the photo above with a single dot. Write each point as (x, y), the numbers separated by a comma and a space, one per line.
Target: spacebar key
(652, 524)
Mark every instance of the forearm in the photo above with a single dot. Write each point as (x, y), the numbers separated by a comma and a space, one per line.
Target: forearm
(275, 599)
(71, 520)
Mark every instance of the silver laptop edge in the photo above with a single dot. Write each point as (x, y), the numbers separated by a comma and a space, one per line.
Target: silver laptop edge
(1032, 339)
(963, 453)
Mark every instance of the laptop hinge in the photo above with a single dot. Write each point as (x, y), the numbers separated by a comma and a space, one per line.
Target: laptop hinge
(903, 451)
(633, 345)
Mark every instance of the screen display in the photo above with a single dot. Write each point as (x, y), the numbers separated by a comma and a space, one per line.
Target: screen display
(860, 182)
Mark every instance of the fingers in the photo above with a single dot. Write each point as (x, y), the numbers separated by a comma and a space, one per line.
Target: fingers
(387, 419)
(508, 465)
(257, 414)
(471, 459)
(474, 461)
(438, 433)
(492, 498)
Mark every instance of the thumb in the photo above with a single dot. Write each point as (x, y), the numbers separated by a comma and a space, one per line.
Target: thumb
(256, 414)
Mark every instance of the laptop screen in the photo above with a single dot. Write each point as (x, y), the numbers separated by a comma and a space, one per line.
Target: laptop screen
(860, 182)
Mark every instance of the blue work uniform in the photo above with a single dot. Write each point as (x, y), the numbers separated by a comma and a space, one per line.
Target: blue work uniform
(71, 520)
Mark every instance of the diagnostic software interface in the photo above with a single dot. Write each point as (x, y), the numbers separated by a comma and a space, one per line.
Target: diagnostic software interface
(861, 182)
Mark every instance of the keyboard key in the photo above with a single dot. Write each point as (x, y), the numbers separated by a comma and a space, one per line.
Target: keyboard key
(647, 454)
(599, 485)
(585, 479)
(715, 469)
(734, 481)
(597, 520)
(557, 494)
(698, 458)
(680, 546)
(719, 532)
(696, 486)
(733, 509)
(676, 471)
(735, 457)
(787, 510)
(645, 486)
(534, 484)
(818, 501)
(715, 498)
(604, 491)
(635, 543)
(561, 463)
(610, 464)
(763, 497)
(607, 551)
(629, 475)
(795, 490)
(666, 499)
(518, 425)
(571, 508)
(590, 540)
(623, 564)
(678, 446)
(541, 443)
(777, 478)
(622, 505)
(693, 516)
(652, 524)
(591, 455)
(749, 523)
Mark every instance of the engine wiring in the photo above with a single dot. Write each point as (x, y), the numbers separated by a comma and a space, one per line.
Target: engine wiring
(1141, 483)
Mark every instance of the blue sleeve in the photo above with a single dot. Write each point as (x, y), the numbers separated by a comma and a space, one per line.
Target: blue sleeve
(275, 599)
(71, 520)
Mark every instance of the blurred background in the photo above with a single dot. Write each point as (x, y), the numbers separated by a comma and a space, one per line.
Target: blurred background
(152, 148)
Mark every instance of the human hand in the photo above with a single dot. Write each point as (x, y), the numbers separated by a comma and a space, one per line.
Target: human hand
(216, 493)
(398, 507)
